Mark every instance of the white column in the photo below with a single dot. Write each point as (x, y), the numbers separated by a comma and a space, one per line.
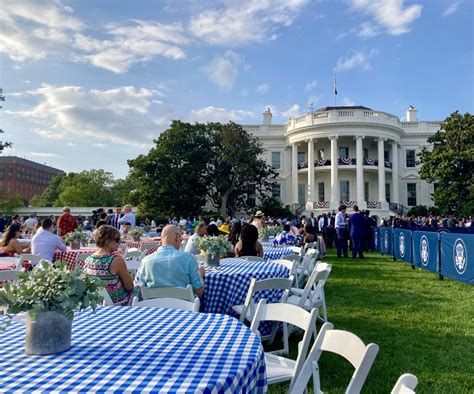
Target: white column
(381, 171)
(359, 170)
(395, 197)
(294, 173)
(311, 193)
(334, 177)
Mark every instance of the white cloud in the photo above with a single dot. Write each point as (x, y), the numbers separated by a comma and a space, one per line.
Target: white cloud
(239, 23)
(43, 154)
(263, 88)
(223, 70)
(291, 112)
(452, 8)
(368, 30)
(346, 101)
(391, 15)
(217, 114)
(120, 115)
(311, 85)
(358, 59)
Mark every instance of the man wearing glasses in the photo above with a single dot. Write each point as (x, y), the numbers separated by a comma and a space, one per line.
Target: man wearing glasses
(170, 267)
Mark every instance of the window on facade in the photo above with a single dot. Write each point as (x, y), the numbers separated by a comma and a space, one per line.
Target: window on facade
(344, 190)
(366, 154)
(276, 160)
(251, 196)
(301, 158)
(301, 193)
(411, 194)
(321, 154)
(387, 192)
(410, 158)
(276, 191)
(366, 191)
(321, 192)
(343, 152)
(386, 156)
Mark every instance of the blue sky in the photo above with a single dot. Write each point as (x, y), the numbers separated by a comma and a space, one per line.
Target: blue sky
(90, 84)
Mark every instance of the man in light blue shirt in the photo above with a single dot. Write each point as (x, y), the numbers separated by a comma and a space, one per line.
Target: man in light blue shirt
(128, 217)
(169, 267)
(44, 242)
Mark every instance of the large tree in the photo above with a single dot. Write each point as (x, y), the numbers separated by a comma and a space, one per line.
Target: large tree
(193, 163)
(450, 164)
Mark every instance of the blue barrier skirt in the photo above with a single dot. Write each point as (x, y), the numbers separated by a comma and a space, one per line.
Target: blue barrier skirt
(402, 244)
(457, 257)
(386, 240)
(425, 250)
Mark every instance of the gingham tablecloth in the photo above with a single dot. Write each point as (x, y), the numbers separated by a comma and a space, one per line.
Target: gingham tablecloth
(70, 255)
(126, 349)
(228, 286)
(138, 245)
(6, 266)
(274, 253)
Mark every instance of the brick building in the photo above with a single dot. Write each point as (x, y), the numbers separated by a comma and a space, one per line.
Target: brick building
(24, 177)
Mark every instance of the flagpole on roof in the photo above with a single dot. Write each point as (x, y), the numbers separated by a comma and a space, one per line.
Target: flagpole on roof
(334, 89)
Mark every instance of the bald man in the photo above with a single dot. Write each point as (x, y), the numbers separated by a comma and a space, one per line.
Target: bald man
(169, 267)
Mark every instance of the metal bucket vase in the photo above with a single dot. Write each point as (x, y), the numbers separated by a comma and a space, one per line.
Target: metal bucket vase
(48, 333)
(212, 261)
(75, 245)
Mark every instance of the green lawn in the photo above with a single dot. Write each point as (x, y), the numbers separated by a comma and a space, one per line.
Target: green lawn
(423, 326)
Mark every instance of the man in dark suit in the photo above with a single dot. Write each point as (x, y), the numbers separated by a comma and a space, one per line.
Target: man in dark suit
(114, 219)
(313, 222)
(357, 232)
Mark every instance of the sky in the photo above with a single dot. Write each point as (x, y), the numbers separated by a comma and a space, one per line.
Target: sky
(90, 84)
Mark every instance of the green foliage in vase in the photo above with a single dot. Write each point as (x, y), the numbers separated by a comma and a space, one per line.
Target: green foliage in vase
(136, 231)
(78, 235)
(270, 231)
(214, 246)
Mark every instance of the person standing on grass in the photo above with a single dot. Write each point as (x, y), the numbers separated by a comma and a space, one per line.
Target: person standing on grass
(341, 231)
(358, 232)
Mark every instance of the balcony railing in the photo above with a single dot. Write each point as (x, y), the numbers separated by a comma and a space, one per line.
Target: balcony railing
(345, 161)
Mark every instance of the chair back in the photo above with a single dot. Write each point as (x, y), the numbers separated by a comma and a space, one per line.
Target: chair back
(406, 384)
(252, 258)
(290, 264)
(315, 276)
(32, 258)
(181, 293)
(345, 344)
(296, 249)
(172, 303)
(10, 275)
(106, 300)
(133, 259)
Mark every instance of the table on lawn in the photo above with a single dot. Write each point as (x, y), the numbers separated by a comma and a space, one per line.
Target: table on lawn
(127, 349)
(228, 285)
(276, 252)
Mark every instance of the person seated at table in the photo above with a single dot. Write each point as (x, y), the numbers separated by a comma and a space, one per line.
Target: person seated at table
(248, 244)
(234, 234)
(212, 230)
(170, 267)
(125, 232)
(111, 268)
(10, 245)
(199, 232)
(44, 242)
(285, 237)
(308, 235)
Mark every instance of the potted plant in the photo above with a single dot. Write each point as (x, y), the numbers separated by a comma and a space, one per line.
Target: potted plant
(136, 233)
(76, 238)
(214, 248)
(49, 295)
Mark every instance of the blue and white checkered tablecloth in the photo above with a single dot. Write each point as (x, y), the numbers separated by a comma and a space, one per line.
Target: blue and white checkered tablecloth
(274, 252)
(229, 285)
(126, 349)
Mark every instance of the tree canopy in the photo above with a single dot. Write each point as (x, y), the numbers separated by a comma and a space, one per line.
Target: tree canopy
(191, 164)
(450, 164)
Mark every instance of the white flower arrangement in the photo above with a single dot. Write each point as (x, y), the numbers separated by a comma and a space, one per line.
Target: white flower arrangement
(136, 232)
(267, 232)
(214, 246)
(77, 236)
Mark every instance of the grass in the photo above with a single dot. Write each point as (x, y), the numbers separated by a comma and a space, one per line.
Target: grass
(423, 326)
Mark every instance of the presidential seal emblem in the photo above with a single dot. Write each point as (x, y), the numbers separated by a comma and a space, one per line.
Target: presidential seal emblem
(424, 250)
(402, 245)
(460, 256)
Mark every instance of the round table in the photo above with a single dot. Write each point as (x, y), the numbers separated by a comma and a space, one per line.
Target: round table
(140, 350)
(276, 252)
(228, 285)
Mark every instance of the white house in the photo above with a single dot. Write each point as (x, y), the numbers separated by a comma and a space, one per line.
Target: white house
(354, 155)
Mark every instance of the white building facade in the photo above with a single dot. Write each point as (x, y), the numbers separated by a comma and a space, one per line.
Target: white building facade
(351, 155)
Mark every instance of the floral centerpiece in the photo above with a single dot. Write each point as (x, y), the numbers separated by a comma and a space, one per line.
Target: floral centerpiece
(76, 238)
(267, 232)
(49, 295)
(136, 233)
(214, 248)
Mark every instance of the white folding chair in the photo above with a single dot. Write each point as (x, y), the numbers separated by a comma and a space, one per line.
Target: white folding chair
(345, 344)
(406, 384)
(133, 260)
(291, 264)
(312, 296)
(252, 258)
(106, 300)
(9, 275)
(81, 257)
(278, 368)
(32, 258)
(181, 293)
(306, 266)
(247, 310)
(172, 303)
